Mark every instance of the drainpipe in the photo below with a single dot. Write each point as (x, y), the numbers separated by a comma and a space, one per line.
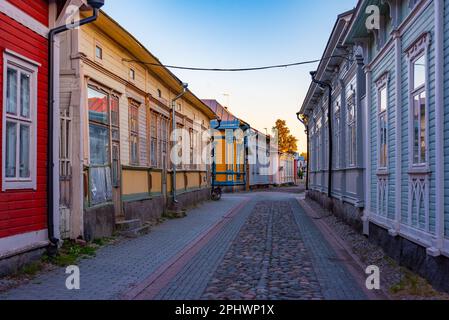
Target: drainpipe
(173, 106)
(214, 164)
(329, 121)
(308, 154)
(96, 5)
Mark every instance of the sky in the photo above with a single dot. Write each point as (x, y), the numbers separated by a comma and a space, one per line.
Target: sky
(238, 34)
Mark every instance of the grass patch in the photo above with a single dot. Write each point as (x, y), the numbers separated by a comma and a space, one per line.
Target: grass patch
(71, 252)
(412, 285)
(30, 270)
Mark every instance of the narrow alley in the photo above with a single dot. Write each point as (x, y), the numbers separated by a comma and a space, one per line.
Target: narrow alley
(251, 246)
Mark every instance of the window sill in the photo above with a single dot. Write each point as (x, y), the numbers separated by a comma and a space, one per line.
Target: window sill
(18, 185)
(382, 172)
(419, 171)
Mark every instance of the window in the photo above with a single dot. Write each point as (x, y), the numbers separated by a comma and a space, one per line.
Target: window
(326, 142)
(419, 111)
(98, 52)
(383, 131)
(352, 138)
(115, 135)
(319, 142)
(19, 123)
(134, 133)
(159, 126)
(191, 147)
(159, 93)
(337, 135)
(132, 74)
(99, 147)
(178, 107)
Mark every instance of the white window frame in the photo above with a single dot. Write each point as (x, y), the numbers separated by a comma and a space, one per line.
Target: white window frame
(382, 84)
(21, 63)
(337, 130)
(352, 145)
(416, 51)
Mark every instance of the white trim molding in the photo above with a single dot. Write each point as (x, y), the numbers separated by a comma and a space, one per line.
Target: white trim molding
(367, 124)
(24, 19)
(438, 242)
(398, 140)
(30, 68)
(11, 246)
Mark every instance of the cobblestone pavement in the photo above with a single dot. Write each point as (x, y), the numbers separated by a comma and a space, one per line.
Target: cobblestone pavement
(119, 267)
(268, 260)
(278, 254)
(268, 248)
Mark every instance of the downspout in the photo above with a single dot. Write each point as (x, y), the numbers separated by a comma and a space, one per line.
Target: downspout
(173, 106)
(308, 154)
(51, 101)
(214, 165)
(329, 121)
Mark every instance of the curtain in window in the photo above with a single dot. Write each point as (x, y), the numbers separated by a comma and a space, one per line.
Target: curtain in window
(25, 95)
(99, 145)
(11, 92)
(24, 151)
(100, 185)
(11, 141)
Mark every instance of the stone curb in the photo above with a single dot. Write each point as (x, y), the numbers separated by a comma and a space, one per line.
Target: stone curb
(352, 262)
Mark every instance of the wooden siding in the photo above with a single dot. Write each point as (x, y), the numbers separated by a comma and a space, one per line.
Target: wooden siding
(446, 116)
(387, 65)
(37, 9)
(23, 211)
(424, 23)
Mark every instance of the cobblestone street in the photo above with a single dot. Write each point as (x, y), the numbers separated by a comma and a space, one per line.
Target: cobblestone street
(250, 246)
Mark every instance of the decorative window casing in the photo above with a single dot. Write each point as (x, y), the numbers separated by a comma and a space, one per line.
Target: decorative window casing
(419, 172)
(134, 132)
(100, 176)
(417, 55)
(382, 121)
(115, 137)
(159, 127)
(19, 169)
(337, 130)
(351, 130)
(326, 140)
(319, 144)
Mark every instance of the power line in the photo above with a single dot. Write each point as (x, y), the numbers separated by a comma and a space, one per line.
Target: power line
(279, 66)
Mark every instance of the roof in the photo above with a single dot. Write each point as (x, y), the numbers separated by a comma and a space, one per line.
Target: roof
(226, 117)
(332, 56)
(223, 113)
(119, 34)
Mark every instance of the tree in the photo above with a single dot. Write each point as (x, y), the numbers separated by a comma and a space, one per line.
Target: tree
(287, 142)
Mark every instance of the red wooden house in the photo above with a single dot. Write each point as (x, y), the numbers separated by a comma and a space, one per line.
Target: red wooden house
(24, 74)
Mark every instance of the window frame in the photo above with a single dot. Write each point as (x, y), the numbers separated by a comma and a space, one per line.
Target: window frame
(30, 67)
(382, 84)
(337, 133)
(134, 107)
(110, 95)
(351, 125)
(98, 46)
(418, 49)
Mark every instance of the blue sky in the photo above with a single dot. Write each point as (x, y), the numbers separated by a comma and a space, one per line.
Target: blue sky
(234, 34)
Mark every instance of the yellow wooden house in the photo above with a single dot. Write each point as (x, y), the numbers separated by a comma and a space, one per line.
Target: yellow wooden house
(116, 121)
